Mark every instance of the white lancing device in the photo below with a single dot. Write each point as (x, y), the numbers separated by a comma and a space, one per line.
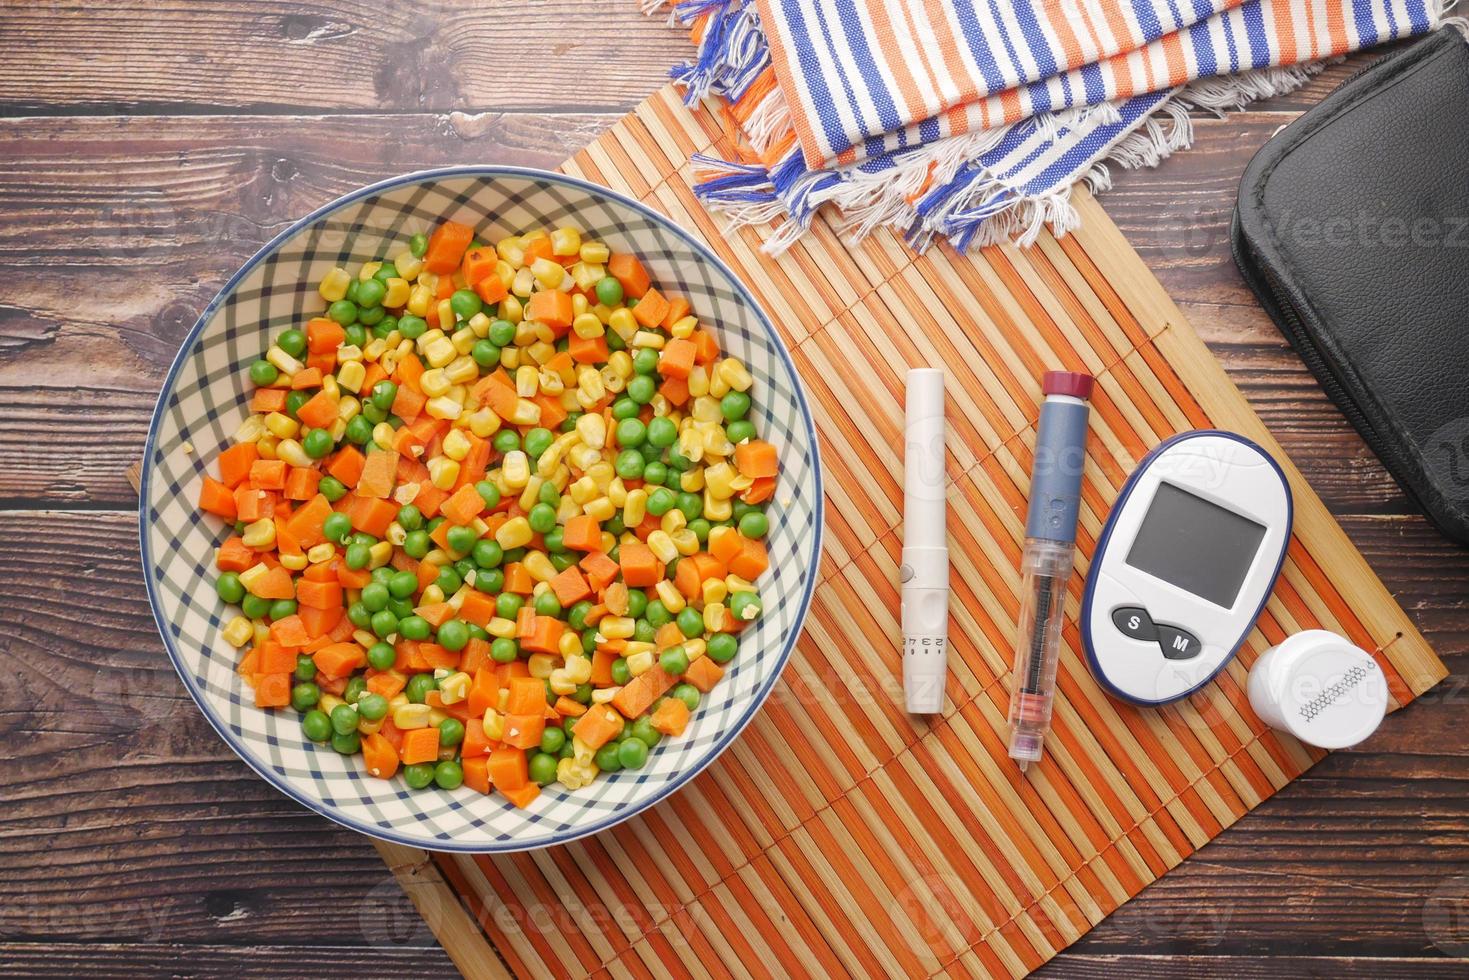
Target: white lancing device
(925, 571)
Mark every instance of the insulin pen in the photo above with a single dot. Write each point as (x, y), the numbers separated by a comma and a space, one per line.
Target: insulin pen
(1050, 536)
(925, 571)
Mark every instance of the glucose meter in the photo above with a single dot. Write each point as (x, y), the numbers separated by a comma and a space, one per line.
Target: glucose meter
(1184, 565)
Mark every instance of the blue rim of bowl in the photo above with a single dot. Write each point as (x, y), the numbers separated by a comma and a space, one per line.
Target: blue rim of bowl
(186, 349)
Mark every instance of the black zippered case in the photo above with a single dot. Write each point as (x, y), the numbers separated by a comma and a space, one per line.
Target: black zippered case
(1352, 228)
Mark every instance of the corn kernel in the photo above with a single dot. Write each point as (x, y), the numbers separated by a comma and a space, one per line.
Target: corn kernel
(670, 596)
(714, 618)
(462, 369)
(595, 252)
(565, 241)
(383, 434)
(266, 446)
(380, 554)
(366, 727)
(292, 453)
(463, 339)
(334, 285)
(431, 595)
(494, 724)
(549, 274)
(419, 298)
(514, 533)
(718, 481)
(351, 375)
(260, 535)
(337, 429)
(281, 426)
(648, 339)
(686, 541)
(624, 323)
(407, 264)
(238, 632)
(251, 429)
(397, 292)
(604, 695)
(573, 775)
(588, 326)
(443, 472)
(617, 493)
(443, 408)
(329, 703)
(713, 591)
(616, 627)
(512, 309)
(691, 481)
(684, 327)
(294, 562)
(539, 566)
(456, 445)
(561, 683)
(735, 374)
(591, 428)
(640, 662)
(516, 469)
(285, 362)
(500, 627)
(599, 510)
(319, 553)
(410, 716)
(439, 351)
(541, 665)
(484, 422)
(717, 508)
(454, 688)
(636, 507)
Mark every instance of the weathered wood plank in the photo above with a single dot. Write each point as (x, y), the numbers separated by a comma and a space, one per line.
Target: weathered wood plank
(266, 55)
(158, 959)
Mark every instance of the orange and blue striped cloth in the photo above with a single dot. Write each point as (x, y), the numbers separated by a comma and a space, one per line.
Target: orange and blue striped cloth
(973, 119)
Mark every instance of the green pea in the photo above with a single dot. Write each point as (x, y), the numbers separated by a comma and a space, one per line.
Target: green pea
(542, 518)
(735, 405)
(358, 431)
(317, 443)
(609, 291)
(352, 291)
(360, 615)
(358, 555)
(661, 501)
(690, 623)
(383, 394)
(304, 696)
(678, 461)
(372, 706)
(675, 660)
(658, 614)
(644, 361)
(746, 605)
(451, 731)
(449, 774)
(689, 695)
(356, 334)
(615, 341)
(305, 667)
(414, 628)
(632, 754)
(375, 596)
(542, 768)
(515, 554)
(263, 373)
(316, 726)
(418, 245)
(416, 544)
(412, 326)
(344, 719)
(281, 608)
(229, 588)
(382, 656)
(546, 604)
(625, 408)
(385, 272)
(485, 354)
(354, 689)
(692, 505)
(461, 539)
(449, 580)
(465, 303)
(418, 687)
(606, 758)
(292, 341)
(344, 311)
(629, 464)
(348, 744)
(620, 672)
(453, 635)
(641, 387)
(741, 509)
(502, 333)
(337, 527)
(721, 647)
(754, 525)
(507, 606)
(506, 441)
(384, 623)
(400, 585)
(489, 580)
(419, 775)
(295, 400)
(331, 488)
(662, 432)
(383, 574)
(374, 414)
(614, 525)
(370, 292)
(576, 616)
(537, 441)
(552, 739)
(631, 433)
(503, 650)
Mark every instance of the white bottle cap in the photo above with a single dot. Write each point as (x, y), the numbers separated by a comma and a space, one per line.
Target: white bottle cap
(1320, 688)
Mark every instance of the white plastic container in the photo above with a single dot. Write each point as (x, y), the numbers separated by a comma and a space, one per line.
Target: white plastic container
(1320, 688)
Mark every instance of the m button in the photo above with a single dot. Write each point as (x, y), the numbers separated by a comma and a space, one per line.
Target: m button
(1178, 644)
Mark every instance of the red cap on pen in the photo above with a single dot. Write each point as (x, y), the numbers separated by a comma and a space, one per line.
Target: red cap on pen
(1077, 384)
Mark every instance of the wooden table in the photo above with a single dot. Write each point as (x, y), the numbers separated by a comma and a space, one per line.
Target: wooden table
(150, 148)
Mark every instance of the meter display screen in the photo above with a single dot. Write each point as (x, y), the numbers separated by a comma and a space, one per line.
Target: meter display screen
(1196, 545)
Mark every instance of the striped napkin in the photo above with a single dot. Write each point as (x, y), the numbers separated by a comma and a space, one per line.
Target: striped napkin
(973, 119)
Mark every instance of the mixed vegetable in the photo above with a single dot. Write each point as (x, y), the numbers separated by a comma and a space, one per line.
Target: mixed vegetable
(498, 514)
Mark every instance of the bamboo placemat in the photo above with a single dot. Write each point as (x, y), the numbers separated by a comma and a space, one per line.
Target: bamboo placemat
(840, 835)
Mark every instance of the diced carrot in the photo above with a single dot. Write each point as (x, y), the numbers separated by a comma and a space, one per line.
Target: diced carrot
(582, 533)
(517, 579)
(340, 659)
(215, 498)
(278, 656)
(352, 578)
(477, 769)
(651, 309)
(324, 363)
(346, 465)
(761, 490)
(568, 708)
(477, 608)
(671, 717)
(379, 757)
(602, 667)
(476, 462)
(706, 346)
(318, 595)
(435, 656)
(601, 570)
(553, 413)
(676, 390)
(545, 636)
(377, 474)
(491, 289)
(508, 769)
(390, 683)
(307, 377)
(551, 307)
(639, 565)
(463, 506)
(446, 287)
(703, 673)
(678, 308)
(587, 350)
(289, 631)
(409, 375)
(233, 555)
(476, 743)
(306, 523)
(570, 587)
(372, 516)
(626, 269)
(251, 503)
(420, 745)
(250, 662)
(524, 731)
(273, 691)
(478, 263)
(446, 247)
(407, 403)
(502, 400)
(640, 692)
(267, 400)
(320, 412)
(538, 248)
(677, 359)
(598, 726)
(476, 653)
(668, 635)
(301, 483)
(324, 335)
(274, 584)
(694, 570)
(320, 622)
(430, 498)
(484, 692)
(437, 613)
(752, 560)
(268, 474)
(755, 458)
(527, 695)
(525, 622)
(235, 462)
(524, 796)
